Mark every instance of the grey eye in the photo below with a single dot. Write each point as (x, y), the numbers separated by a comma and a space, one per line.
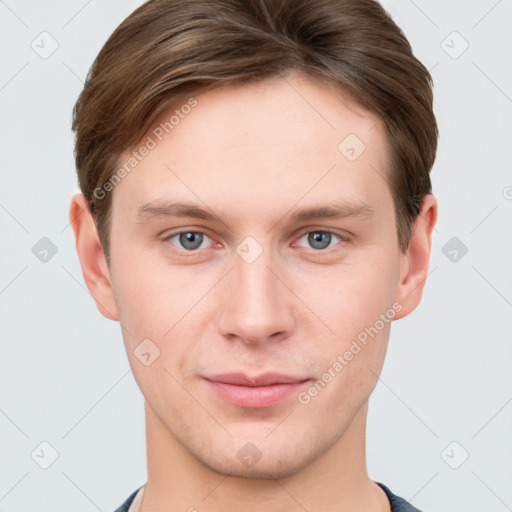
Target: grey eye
(319, 239)
(188, 240)
(191, 240)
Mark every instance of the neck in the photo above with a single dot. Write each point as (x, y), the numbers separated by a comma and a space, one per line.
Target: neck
(337, 480)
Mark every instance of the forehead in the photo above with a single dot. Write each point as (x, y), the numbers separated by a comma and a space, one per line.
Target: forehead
(284, 135)
(255, 112)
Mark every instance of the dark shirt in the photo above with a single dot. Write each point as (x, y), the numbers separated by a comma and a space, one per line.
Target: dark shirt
(397, 504)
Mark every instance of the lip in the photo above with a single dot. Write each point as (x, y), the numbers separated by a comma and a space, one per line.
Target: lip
(257, 391)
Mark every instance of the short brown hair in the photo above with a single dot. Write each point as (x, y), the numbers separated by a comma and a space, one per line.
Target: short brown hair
(169, 48)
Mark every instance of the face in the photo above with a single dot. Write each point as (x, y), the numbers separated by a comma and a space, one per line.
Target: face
(258, 237)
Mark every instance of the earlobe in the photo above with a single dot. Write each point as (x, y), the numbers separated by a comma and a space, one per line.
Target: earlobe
(92, 258)
(415, 262)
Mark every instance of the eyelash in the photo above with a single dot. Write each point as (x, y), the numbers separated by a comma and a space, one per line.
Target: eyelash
(193, 252)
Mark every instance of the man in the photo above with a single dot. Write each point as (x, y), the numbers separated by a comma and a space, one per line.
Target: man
(256, 211)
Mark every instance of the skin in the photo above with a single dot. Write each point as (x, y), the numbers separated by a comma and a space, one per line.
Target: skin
(253, 155)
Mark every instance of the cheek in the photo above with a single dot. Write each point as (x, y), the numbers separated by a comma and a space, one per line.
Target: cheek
(159, 308)
(150, 299)
(351, 297)
(350, 303)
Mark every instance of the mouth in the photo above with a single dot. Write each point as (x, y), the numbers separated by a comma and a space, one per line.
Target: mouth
(255, 392)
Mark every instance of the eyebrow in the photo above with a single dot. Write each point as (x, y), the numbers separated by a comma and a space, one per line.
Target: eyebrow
(333, 210)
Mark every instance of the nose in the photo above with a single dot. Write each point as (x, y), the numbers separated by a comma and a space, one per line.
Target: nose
(257, 305)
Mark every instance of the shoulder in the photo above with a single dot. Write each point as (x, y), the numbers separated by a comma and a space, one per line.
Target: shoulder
(126, 505)
(397, 504)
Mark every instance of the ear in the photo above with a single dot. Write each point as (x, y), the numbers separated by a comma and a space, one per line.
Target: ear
(91, 256)
(414, 263)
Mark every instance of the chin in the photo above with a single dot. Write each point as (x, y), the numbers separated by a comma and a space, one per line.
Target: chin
(269, 469)
(262, 458)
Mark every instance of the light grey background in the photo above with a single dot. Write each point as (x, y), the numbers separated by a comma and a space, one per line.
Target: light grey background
(65, 376)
